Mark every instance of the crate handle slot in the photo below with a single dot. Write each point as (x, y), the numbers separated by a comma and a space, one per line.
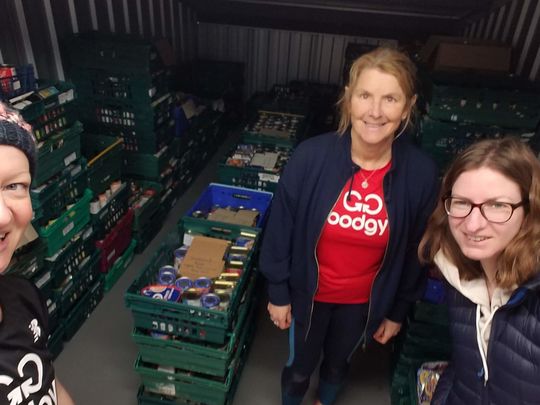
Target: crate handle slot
(221, 230)
(241, 196)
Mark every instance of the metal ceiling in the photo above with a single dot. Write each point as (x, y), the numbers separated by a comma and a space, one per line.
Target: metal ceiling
(404, 20)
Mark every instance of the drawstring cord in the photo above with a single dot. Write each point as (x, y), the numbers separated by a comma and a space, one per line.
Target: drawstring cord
(354, 169)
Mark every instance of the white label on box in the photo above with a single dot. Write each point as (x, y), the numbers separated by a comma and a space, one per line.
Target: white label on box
(70, 158)
(188, 239)
(68, 228)
(274, 178)
(16, 85)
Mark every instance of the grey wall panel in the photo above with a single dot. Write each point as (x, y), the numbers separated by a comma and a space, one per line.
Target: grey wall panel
(32, 31)
(102, 14)
(82, 11)
(277, 56)
(517, 23)
(119, 16)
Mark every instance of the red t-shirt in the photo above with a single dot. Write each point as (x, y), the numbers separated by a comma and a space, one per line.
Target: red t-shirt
(353, 241)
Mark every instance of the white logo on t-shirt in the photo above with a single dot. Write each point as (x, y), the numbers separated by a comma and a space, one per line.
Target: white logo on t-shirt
(369, 206)
(32, 366)
(36, 330)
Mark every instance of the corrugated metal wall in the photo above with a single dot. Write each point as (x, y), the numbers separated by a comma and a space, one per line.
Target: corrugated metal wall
(278, 56)
(515, 22)
(31, 31)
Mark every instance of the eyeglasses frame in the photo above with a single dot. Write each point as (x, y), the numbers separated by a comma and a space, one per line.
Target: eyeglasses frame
(522, 203)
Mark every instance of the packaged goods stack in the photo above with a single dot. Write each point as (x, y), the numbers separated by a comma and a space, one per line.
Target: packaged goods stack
(467, 108)
(194, 303)
(126, 107)
(63, 262)
(423, 349)
(279, 121)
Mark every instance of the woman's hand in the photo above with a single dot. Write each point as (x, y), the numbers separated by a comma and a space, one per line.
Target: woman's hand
(387, 330)
(280, 315)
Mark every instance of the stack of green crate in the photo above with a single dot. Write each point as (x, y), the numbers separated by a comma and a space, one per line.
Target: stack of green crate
(188, 352)
(60, 264)
(426, 338)
(460, 114)
(124, 88)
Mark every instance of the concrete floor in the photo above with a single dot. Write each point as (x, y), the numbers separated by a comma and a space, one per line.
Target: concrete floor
(96, 366)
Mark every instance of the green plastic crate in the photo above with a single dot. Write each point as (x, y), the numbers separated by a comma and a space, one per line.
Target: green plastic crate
(104, 85)
(51, 198)
(83, 309)
(146, 234)
(104, 154)
(57, 153)
(67, 261)
(181, 319)
(74, 286)
(208, 359)
(106, 218)
(28, 260)
(112, 52)
(68, 224)
(254, 177)
(148, 166)
(120, 266)
(192, 386)
(144, 211)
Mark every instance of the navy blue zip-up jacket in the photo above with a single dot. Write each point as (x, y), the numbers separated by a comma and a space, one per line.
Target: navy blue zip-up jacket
(308, 189)
(513, 355)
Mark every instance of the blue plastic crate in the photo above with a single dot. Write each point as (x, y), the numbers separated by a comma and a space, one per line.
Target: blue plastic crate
(220, 195)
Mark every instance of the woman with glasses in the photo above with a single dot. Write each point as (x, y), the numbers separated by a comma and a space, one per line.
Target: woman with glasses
(484, 236)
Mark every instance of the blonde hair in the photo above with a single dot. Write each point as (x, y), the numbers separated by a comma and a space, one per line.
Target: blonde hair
(518, 262)
(387, 60)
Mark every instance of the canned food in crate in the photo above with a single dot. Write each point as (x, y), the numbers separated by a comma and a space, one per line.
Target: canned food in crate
(192, 297)
(203, 284)
(210, 301)
(224, 298)
(184, 283)
(166, 275)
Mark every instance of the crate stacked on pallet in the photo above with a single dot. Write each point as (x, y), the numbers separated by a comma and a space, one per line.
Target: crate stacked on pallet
(426, 338)
(124, 85)
(194, 341)
(462, 112)
(65, 259)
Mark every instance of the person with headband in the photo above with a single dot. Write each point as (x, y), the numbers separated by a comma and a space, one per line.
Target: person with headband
(26, 369)
(484, 237)
(339, 249)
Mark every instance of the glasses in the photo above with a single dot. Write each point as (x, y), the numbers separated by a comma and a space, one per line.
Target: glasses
(494, 211)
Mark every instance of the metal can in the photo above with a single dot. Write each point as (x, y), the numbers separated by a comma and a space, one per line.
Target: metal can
(166, 275)
(203, 284)
(184, 283)
(224, 285)
(210, 301)
(179, 255)
(192, 297)
(224, 299)
(235, 277)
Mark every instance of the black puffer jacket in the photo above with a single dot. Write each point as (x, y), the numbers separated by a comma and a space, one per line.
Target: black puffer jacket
(513, 359)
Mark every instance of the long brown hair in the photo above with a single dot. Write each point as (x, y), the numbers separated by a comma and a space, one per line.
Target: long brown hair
(518, 261)
(387, 60)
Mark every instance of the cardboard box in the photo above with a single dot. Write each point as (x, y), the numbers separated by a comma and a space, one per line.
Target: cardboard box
(456, 53)
(204, 258)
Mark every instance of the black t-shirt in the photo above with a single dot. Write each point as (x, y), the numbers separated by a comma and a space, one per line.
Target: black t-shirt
(26, 370)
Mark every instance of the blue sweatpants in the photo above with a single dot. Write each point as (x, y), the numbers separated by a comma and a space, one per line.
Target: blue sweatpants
(336, 330)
